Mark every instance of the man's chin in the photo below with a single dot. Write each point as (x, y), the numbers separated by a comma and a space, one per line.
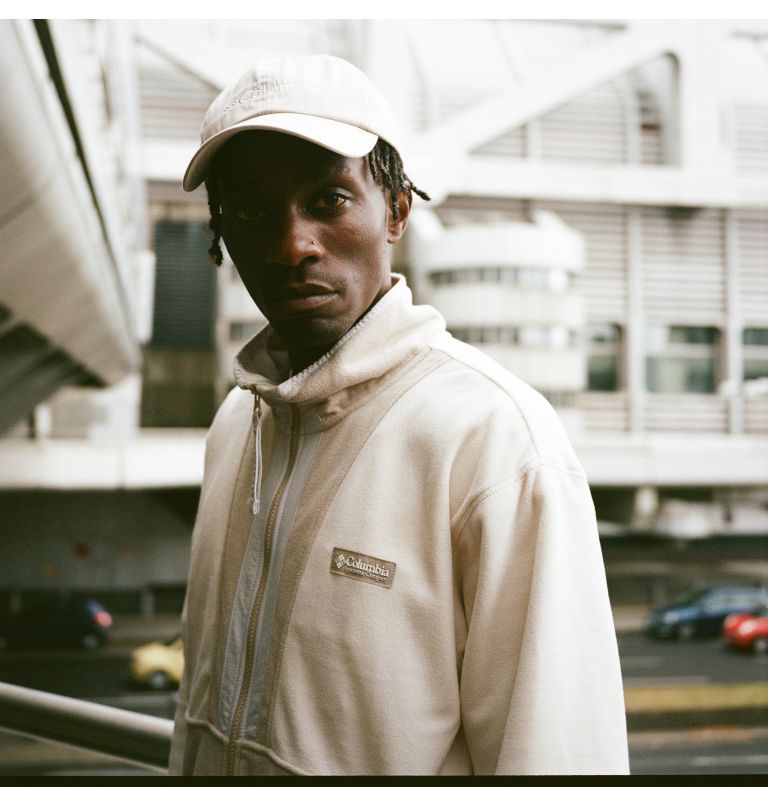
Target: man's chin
(301, 335)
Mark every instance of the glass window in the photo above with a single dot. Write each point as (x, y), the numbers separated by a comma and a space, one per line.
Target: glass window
(533, 277)
(681, 359)
(535, 336)
(526, 276)
(755, 341)
(603, 357)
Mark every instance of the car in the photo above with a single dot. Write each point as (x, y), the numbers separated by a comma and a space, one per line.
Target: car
(159, 664)
(702, 613)
(58, 620)
(747, 630)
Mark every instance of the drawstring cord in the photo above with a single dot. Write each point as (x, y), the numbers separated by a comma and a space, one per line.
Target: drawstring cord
(255, 501)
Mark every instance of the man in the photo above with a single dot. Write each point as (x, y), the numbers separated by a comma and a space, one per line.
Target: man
(395, 567)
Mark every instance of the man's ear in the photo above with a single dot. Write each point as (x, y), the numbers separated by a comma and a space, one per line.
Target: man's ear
(396, 227)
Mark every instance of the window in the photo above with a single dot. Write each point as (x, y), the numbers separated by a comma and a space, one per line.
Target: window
(603, 357)
(533, 277)
(755, 341)
(184, 310)
(525, 276)
(539, 336)
(681, 359)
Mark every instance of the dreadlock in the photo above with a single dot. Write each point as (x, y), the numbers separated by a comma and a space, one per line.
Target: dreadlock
(385, 166)
(387, 170)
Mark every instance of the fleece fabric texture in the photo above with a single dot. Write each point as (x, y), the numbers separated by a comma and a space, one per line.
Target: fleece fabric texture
(492, 651)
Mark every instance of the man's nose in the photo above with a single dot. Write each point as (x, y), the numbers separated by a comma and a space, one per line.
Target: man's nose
(293, 240)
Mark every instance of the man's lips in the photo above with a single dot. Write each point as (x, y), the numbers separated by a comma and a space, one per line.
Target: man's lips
(298, 297)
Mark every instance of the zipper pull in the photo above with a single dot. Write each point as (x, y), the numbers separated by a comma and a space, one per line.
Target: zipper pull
(255, 501)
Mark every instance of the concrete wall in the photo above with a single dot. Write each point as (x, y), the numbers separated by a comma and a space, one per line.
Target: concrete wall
(95, 540)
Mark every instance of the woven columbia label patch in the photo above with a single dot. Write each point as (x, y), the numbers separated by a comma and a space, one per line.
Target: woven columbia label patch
(360, 566)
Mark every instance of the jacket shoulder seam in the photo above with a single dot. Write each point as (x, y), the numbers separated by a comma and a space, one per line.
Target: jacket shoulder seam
(511, 481)
(495, 383)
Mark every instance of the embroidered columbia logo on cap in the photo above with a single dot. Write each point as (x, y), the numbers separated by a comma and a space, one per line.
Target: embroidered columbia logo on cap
(363, 567)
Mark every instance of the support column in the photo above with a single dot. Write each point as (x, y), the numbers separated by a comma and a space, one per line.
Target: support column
(635, 348)
(732, 342)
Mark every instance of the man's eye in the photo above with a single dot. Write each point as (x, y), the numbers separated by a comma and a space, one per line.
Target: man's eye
(247, 214)
(331, 201)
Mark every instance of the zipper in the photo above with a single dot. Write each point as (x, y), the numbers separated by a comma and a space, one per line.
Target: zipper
(269, 529)
(255, 502)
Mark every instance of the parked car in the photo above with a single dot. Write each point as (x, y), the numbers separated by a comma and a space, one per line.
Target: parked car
(55, 621)
(747, 630)
(702, 613)
(159, 664)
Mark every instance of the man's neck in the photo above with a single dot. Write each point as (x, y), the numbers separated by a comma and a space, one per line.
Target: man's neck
(302, 358)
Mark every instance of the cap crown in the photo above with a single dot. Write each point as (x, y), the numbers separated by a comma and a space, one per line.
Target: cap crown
(313, 97)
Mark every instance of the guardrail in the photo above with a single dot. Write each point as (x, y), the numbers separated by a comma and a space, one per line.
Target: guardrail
(134, 737)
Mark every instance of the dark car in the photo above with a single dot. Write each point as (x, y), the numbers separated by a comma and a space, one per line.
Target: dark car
(702, 613)
(56, 621)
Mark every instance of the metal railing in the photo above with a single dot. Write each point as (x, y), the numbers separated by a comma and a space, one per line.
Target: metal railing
(134, 737)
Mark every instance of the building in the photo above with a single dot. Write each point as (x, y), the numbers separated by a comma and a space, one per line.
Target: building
(599, 224)
(88, 499)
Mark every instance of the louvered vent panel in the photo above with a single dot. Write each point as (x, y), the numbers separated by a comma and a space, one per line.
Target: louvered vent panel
(590, 129)
(511, 145)
(604, 412)
(282, 37)
(686, 413)
(603, 283)
(750, 138)
(438, 104)
(751, 229)
(172, 103)
(456, 64)
(683, 265)
(457, 210)
(756, 414)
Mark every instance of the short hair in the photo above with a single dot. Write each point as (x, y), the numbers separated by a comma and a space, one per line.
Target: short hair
(386, 168)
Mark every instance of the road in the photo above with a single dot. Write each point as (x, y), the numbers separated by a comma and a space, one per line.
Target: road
(712, 751)
(647, 661)
(102, 675)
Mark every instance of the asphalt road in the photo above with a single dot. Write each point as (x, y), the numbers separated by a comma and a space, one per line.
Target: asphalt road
(647, 661)
(714, 751)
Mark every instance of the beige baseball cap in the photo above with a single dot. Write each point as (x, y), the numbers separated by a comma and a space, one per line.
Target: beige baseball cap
(323, 99)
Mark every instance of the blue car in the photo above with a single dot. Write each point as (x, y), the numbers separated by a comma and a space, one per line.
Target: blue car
(702, 613)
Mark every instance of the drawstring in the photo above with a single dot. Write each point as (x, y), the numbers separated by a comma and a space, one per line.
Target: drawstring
(255, 501)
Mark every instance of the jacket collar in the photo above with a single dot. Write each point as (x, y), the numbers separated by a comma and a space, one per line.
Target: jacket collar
(392, 333)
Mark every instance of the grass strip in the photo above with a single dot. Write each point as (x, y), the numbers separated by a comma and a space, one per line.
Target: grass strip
(695, 698)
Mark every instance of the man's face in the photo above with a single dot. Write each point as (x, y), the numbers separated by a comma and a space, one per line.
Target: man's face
(308, 231)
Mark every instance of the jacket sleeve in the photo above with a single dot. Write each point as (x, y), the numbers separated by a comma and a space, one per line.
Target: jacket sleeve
(541, 689)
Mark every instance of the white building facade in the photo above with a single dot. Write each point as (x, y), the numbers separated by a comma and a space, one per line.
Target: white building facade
(598, 224)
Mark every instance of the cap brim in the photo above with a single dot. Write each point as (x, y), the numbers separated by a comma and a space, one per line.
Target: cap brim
(341, 138)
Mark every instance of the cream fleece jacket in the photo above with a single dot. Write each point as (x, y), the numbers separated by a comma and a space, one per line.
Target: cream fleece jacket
(421, 591)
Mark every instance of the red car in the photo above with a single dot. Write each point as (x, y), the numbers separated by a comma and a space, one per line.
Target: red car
(747, 630)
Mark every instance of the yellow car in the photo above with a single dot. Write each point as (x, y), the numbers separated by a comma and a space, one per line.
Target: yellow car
(158, 665)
